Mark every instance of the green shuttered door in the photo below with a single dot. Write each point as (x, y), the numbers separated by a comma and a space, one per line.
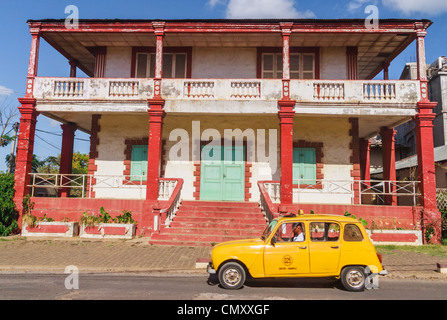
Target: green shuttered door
(304, 166)
(222, 173)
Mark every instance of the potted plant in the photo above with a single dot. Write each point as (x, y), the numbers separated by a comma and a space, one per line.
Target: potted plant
(104, 226)
(33, 226)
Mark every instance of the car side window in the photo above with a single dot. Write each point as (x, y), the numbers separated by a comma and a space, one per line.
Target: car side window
(290, 232)
(352, 233)
(324, 231)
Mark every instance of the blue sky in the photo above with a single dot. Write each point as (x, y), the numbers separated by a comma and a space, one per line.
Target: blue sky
(15, 38)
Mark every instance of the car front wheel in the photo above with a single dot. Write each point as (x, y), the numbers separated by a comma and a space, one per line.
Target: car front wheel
(353, 278)
(232, 275)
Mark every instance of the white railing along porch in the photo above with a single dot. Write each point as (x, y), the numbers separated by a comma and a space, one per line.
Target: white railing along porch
(321, 91)
(84, 185)
(376, 190)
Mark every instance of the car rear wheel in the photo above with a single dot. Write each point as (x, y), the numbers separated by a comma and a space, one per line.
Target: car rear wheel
(232, 275)
(353, 278)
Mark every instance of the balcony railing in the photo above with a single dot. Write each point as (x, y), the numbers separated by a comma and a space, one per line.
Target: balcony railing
(102, 186)
(373, 192)
(303, 91)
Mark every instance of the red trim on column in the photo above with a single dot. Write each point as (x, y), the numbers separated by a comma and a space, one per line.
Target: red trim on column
(100, 62)
(25, 147)
(352, 63)
(355, 157)
(286, 115)
(365, 160)
(33, 62)
(65, 167)
(156, 115)
(389, 162)
(431, 217)
(94, 142)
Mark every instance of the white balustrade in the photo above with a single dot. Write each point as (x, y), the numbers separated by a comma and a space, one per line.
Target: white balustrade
(199, 89)
(329, 91)
(123, 89)
(245, 89)
(68, 88)
(379, 91)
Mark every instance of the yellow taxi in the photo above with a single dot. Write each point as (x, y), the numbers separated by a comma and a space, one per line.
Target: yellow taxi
(301, 246)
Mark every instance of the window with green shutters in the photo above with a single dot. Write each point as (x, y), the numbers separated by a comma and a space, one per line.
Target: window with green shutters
(304, 166)
(138, 166)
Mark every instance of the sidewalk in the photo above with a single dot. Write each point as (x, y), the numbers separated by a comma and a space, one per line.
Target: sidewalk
(43, 255)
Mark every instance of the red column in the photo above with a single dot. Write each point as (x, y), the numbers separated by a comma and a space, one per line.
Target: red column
(389, 164)
(156, 115)
(68, 134)
(365, 160)
(286, 115)
(431, 217)
(25, 146)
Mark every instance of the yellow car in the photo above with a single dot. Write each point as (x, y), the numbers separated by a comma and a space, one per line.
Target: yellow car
(301, 246)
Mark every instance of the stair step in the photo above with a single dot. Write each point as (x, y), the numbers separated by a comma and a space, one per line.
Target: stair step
(233, 220)
(220, 204)
(217, 214)
(217, 225)
(204, 223)
(214, 231)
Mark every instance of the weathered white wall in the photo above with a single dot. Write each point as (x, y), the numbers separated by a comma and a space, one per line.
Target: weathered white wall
(115, 129)
(333, 63)
(224, 63)
(332, 132)
(118, 62)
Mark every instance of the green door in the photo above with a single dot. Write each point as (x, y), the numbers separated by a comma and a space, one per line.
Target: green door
(222, 173)
(138, 165)
(304, 166)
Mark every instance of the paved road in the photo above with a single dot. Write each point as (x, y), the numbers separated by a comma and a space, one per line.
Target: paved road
(190, 287)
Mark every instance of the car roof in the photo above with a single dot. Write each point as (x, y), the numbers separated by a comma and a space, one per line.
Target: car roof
(318, 217)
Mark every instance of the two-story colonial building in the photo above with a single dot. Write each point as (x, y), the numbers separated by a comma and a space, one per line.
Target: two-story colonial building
(237, 120)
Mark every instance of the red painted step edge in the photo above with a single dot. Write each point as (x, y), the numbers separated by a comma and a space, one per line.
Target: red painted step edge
(394, 237)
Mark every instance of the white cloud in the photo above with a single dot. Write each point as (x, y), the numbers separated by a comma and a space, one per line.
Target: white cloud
(355, 5)
(5, 91)
(264, 9)
(408, 7)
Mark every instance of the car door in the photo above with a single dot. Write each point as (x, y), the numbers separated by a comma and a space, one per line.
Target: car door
(283, 256)
(324, 247)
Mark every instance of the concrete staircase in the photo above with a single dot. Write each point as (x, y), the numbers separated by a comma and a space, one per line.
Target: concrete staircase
(205, 223)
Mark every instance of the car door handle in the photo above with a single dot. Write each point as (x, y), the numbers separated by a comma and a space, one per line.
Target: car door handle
(334, 247)
(302, 247)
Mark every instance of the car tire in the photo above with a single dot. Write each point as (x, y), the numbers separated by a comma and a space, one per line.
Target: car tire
(232, 276)
(353, 278)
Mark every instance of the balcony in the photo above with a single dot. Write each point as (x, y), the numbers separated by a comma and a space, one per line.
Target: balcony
(252, 95)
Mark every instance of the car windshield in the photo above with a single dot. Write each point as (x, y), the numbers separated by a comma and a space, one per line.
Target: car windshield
(269, 229)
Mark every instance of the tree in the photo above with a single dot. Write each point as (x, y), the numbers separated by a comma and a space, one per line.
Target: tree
(8, 212)
(8, 113)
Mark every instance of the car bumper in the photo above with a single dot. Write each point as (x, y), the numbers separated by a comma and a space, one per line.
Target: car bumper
(210, 269)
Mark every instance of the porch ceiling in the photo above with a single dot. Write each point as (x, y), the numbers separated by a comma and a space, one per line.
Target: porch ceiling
(369, 126)
(375, 48)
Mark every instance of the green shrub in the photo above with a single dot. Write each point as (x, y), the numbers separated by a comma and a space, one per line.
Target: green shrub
(8, 212)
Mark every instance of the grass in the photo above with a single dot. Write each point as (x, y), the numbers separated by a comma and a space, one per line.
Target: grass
(432, 250)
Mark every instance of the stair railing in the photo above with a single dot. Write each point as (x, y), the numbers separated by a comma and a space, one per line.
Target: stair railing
(267, 206)
(168, 211)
